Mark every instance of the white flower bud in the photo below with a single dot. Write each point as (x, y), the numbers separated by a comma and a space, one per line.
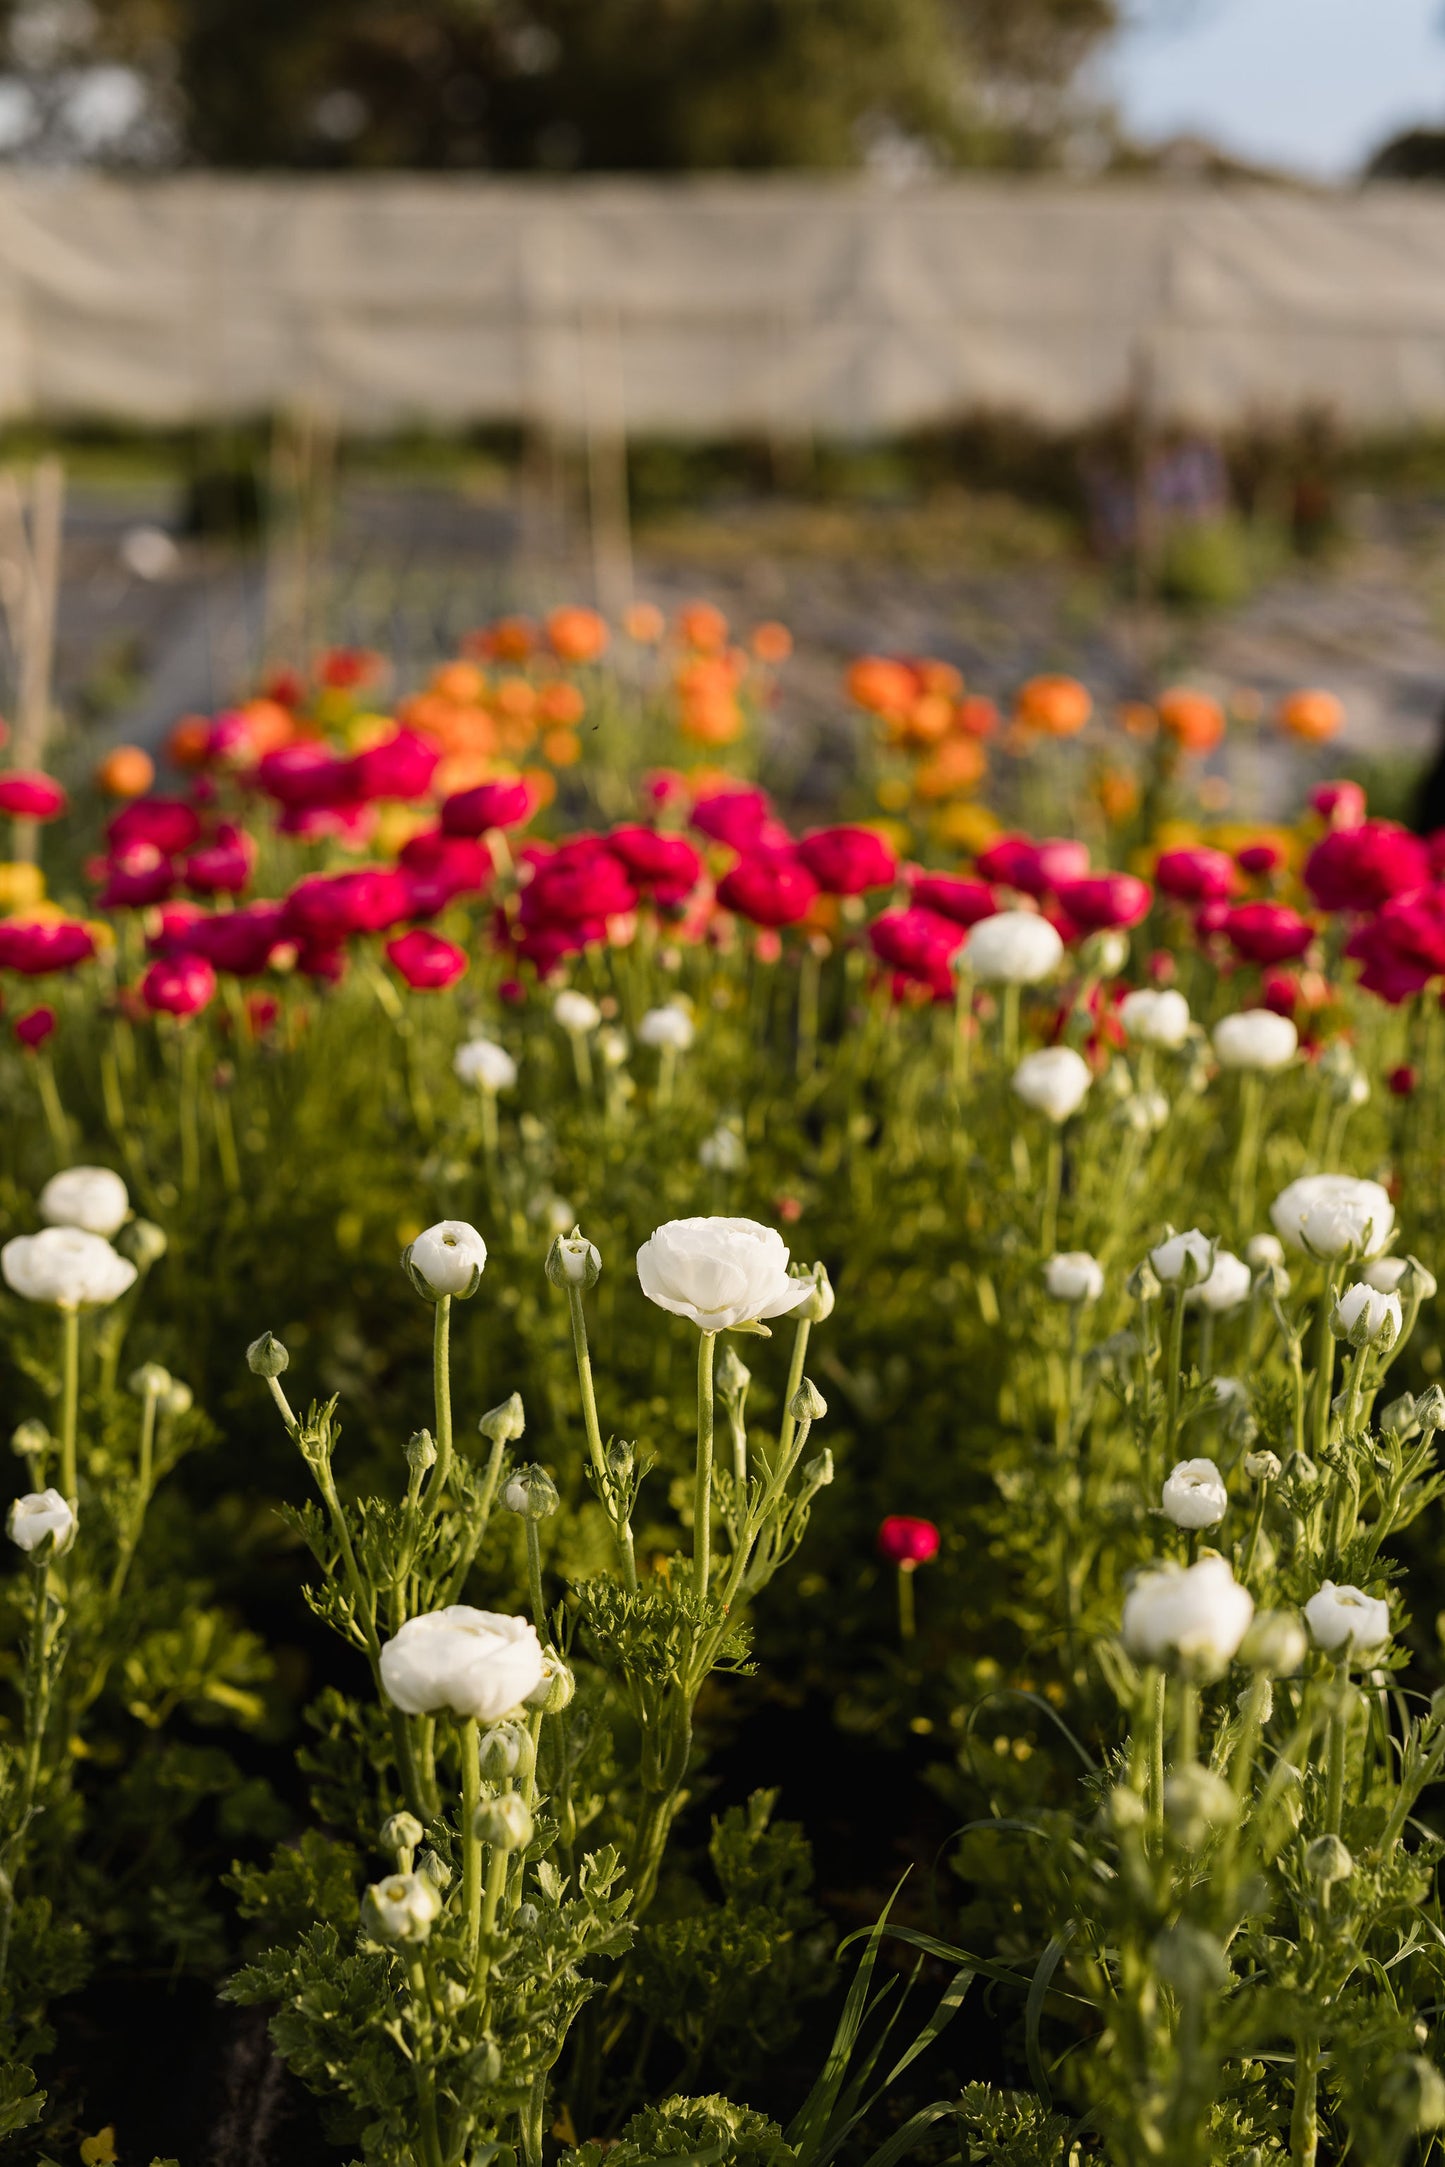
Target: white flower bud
(1367, 1318)
(1153, 1018)
(505, 1751)
(1184, 1259)
(503, 1425)
(1013, 948)
(1226, 1285)
(531, 1493)
(1262, 1249)
(1195, 1615)
(1333, 1215)
(148, 1382)
(555, 1688)
(1255, 1039)
(401, 1832)
(1197, 1801)
(1055, 1082)
(1074, 1276)
(91, 1197)
(1276, 1643)
(670, 1026)
(403, 1908)
(576, 1013)
(1262, 1467)
(819, 1305)
(143, 1242)
(448, 1259)
(42, 1513)
(572, 1261)
(505, 1823)
(1194, 1495)
(1327, 1861)
(421, 1451)
(1346, 1620)
(724, 1152)
(485, 1064)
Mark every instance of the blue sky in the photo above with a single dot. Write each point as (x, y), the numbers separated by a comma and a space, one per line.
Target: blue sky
(1309, 84)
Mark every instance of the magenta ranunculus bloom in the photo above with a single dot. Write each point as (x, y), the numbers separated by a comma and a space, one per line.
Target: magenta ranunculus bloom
(38, 946)
(328, 908)
(455, 864)
(738, 818)
(178, 985)
(903, 1540)
(1034, 868)
(1196, 875)
(1105, 902)
(489, 805)
(964, 901)
(1266, 932)
(1342, 804)
(772, 889)
(307, 776)
(136, 877)
(664, 865)
(401, 767)
(34, 1027)
(920, 944)
(1360, 868)
(848, 861)
(169, 825)
(239, 942)
(221, 867)
(27, 795)
(579, 880)
(425, 961)
(1402, 948)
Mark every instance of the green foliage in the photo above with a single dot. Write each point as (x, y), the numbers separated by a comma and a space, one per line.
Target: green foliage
(713, 2132)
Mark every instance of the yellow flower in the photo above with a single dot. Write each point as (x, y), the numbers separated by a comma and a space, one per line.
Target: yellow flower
(99, 2150)
(21, 886)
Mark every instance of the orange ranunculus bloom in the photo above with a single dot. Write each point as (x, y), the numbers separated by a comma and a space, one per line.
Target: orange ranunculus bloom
(544, 785)
(702, 626)
(563, 748)
(711, 719)
(128, 772)
(515, 734)
(644, 623)
(927, 720)
(346, 669)
(189, 742)
(514, 696)
(975, 716)
(707, 677)
(269, 726)
(1314, 716)
(562, 704)
(510, 639)
(576, 635)
(1136, 718)
(459, 681)
(1192, 719)
(941, 677)
(1118, 793)
(956, 766)
(1058, 706)
(883, 686)
(772, 642)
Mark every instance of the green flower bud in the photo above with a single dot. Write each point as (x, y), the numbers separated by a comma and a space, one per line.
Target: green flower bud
(149, 1381)
(807, 1403)
(30, 1438)
(1195, 1802)
(401, 1832)
(817, 1474)
(732, 1376)
(819, 1305)
(504, 1425)
(1262, 1467)
(1398, 1415)
(177, 1399)
(556, 1688)
(506, 1750)
(1276, 1643)
(505, 1823)
(266, 1357)
(572, 1261)
(1437, 1705)
(143, 1242)
(1327, 1861)
(621, 1458)
(401, 1909)
(481, 2073)
(1143, 1283)
(421, 1451)
(1418, 1282)
(1191, 1961)
(1412, 2093)
(436, 1869)
(1430, 1408)
(531, 1493)
(1124, 1809)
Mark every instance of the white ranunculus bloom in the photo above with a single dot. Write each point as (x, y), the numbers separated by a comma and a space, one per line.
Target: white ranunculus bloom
(613, 1046)
(1055, 1082)
(42, 1513)
(1013, 948)
(575, 1011)
(1226, 1287)
(1198, 1614)
(1347, 1618)
(1329, 1215)
(1153, 1018)
(724, 1152)
(403, 1908)
(670, 1025)
(1181, 1256)
(448, 1259)
(1074, 1276)
(471, 1662)
(1194, 1495)
(481, 1061)
(66, 1267)
(1385, 1273)
(719, 1272)
(1367, 1318)
(1255, 1039)
(91, 1197)
(1262, 1249)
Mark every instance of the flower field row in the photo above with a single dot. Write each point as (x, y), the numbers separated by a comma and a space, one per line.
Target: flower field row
(524, 1265)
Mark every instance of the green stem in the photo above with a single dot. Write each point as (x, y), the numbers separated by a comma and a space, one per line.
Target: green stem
(189, 1056)
(1173, 1379)
(702, 1486)
(496, 1882)
(534, 1578)
(907, 1621)
(795, 1377)
(471, 1847)
(422, 2072)
(1053, 1187)
(1338, 1739)
(69, 1399)
(1304, 2128)
(1009, 1027)
(621, 1527)
(441, 1377)
(50, 1104)
(1324, 1376)
(1157, 1688)
(1246, 1158)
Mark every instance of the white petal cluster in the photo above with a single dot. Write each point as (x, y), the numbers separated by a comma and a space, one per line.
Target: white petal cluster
(1055, 1082)
(1155, 1018)
(1182, 1256)
(402, 1908)
(67, 1268)
(1194, 1495)
(1334, 1215)
(448, 1258)
(462, 1661)
(1013, 948)
(1255, 1039)
(42, 1513)
(719, 1273)
(1367, 1318)
(1074, 1276)
(576, 1011)
(1346, 1618)
(91, 1197)
(1226, 1287)
(1195, 1614)
(669, 1026)
(485, 1064)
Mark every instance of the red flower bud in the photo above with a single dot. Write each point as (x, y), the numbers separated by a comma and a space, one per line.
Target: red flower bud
(907, 1542)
